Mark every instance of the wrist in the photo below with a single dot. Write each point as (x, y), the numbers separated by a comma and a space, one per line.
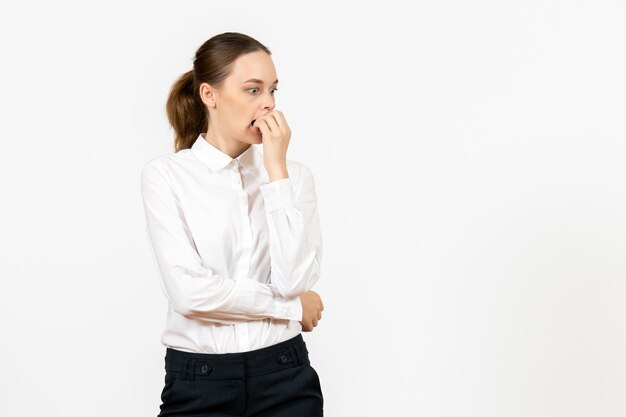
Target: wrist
(277, 173)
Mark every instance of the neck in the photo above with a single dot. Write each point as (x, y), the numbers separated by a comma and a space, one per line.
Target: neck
(232, 148)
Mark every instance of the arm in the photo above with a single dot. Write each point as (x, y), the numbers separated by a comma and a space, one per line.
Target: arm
(294, 234)
(191, 289)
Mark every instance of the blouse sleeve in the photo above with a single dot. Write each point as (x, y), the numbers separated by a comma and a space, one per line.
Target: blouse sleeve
(193, 290)
(295, 238)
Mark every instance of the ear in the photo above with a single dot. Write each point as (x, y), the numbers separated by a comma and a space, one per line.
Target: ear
(207, 94)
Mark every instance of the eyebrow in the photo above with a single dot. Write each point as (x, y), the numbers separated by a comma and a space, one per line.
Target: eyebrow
(257, 81)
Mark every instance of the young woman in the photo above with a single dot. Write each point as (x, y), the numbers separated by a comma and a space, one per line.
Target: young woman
(234, 229)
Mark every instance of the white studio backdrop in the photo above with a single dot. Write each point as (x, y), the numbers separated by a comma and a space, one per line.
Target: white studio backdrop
(469, 164)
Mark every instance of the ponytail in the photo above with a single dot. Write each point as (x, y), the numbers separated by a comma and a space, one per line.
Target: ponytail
(186, 112)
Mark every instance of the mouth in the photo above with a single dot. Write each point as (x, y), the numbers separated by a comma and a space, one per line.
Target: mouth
(252, 122)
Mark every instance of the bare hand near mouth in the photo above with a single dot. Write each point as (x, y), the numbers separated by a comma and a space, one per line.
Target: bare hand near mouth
(276, 136)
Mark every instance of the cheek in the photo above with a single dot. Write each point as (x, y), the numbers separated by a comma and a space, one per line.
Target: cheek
(238, 111)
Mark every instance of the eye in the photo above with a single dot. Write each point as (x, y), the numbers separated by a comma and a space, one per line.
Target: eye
(250, 89)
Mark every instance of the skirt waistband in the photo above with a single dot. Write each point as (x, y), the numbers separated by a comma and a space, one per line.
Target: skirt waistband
(237, 365)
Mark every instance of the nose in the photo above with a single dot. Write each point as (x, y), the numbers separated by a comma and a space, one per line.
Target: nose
(269, 102)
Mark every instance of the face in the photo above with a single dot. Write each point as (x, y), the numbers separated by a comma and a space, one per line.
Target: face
(247, 93)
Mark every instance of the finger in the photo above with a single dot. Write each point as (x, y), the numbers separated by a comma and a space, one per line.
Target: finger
(263, 127)
(272, 124)
(280, 120)
(319, 316)
(284, 125)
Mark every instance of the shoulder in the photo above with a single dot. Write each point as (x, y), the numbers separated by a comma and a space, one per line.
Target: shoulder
(167, 165)
(171, 159)
(297, 167)
(301, 175)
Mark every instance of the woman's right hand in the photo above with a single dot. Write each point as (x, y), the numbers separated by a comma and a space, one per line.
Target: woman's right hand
(312, 307)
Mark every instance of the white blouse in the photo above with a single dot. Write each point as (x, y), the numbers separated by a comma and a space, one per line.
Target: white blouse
(231, 264)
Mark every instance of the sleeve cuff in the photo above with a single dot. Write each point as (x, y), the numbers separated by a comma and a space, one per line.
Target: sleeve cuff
(288, 308)
(278, 194)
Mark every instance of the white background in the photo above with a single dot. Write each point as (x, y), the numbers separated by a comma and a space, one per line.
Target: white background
(469, 163)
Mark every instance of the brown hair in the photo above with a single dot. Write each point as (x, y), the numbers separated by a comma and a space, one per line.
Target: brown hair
(213, 62)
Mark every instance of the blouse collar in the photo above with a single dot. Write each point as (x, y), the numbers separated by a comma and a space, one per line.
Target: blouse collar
(215, 159)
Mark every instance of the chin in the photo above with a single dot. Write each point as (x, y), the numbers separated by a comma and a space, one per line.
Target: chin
(257, 138)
